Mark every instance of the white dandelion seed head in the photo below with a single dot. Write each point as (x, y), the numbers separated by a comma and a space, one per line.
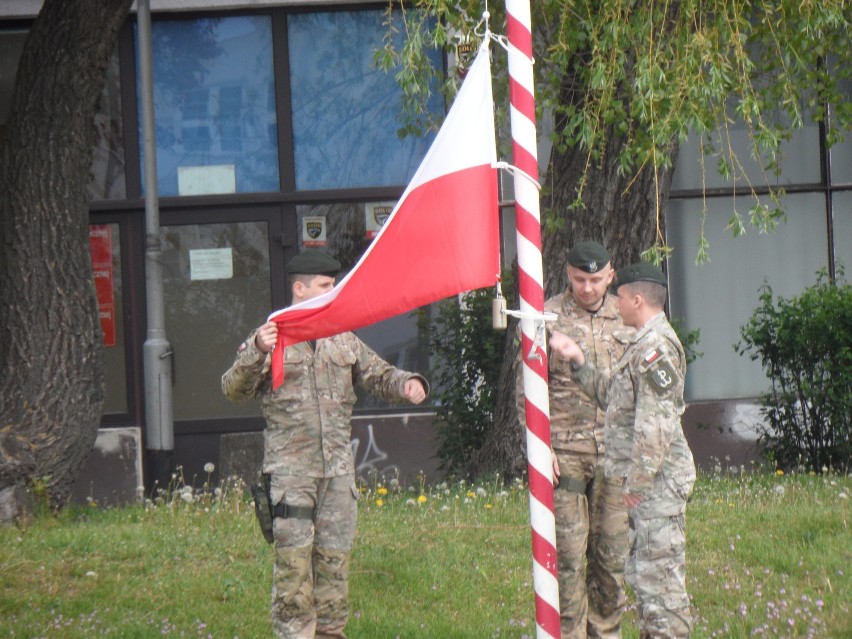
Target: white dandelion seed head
(209, 467)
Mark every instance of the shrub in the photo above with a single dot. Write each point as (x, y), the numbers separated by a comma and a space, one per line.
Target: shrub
(805, 347)
(467, 354)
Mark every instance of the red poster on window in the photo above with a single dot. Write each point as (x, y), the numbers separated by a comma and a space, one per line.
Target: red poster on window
(100, 246)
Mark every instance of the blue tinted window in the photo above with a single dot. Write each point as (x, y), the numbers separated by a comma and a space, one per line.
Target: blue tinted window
(346, 112)
(214, 105)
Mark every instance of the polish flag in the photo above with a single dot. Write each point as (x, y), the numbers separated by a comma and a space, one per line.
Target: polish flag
(441, 239)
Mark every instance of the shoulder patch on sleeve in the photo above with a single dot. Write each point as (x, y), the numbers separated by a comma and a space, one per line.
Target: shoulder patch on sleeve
(660, 374)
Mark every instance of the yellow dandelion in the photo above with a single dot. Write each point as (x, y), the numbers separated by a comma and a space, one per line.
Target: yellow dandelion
(380, 502)
(730, 504)
(470, 493)
(488, 506)
(421, 499)
(382, 491)
(779, 472)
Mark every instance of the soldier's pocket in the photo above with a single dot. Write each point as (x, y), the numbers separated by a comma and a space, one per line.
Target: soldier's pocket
(660, 538)
(296, 384)
(679, 486)
(340, 374)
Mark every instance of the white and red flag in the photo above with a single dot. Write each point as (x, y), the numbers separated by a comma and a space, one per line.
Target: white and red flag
(441, 239)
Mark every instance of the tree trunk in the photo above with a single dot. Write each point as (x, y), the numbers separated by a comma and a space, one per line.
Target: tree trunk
(620, 212)
(51, 373)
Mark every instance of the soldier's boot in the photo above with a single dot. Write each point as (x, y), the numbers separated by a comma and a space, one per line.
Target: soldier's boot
(293, 615)
(331, 592)
(661, 619)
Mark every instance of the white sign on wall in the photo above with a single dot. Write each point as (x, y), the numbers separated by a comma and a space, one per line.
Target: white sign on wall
(211, 264)
(207, 180)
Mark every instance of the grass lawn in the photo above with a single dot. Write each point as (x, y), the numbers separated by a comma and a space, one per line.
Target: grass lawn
(767, 555)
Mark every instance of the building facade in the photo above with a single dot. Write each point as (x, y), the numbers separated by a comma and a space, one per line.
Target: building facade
(276, 133)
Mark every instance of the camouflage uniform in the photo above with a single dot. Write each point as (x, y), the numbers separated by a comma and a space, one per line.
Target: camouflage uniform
(308, 455)
(591, 519)
(647, 451)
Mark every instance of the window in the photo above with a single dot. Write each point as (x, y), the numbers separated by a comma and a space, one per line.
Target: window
(720, 296)
(345, 111)
(213, 113)
(107, 176)
(799, 158)
(216, 282)
(842, 220)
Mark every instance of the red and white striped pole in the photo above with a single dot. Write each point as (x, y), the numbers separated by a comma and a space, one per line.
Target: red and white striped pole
(531, 288)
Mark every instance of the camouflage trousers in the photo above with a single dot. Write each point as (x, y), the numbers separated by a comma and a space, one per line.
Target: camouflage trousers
(310, 578)
(656, 570)
(591, 545)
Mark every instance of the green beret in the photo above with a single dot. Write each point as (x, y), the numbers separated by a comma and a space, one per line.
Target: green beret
(312, 263)
(588, 256)
(640, 272)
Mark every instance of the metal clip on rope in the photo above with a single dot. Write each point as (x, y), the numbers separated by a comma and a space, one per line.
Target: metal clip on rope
(540, 319)
(499, 320)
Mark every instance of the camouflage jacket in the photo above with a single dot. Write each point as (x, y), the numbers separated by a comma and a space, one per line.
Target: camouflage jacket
(308, 417)
(643, 397)
(576, 422)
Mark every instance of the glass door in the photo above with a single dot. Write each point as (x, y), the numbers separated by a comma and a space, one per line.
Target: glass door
(217, 283)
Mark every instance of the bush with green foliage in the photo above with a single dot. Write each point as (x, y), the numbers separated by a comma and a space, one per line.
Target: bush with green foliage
(465, 375)
(804, 345)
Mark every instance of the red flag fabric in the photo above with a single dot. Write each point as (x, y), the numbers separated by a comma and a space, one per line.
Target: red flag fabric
(441, 239)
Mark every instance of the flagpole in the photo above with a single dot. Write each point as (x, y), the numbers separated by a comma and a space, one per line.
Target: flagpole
(531, 289)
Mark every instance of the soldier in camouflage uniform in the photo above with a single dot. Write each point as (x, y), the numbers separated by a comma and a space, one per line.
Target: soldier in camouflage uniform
(308, 454)
(591, 520)
(646, 449)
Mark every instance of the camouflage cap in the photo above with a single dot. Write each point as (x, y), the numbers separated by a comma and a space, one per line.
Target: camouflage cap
(588, 256)
(312, 263)
(641, 272)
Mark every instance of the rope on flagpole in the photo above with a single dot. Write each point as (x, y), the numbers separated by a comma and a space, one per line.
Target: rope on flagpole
(515, 170)
(531, 289)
